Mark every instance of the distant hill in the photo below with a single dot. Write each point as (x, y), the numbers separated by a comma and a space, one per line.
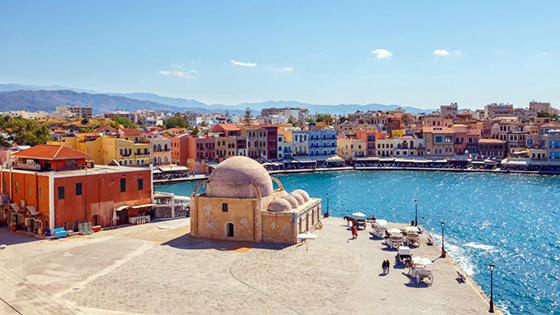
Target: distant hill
(30, 97)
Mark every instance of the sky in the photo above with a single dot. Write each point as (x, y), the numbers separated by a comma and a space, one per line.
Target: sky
(411, 53)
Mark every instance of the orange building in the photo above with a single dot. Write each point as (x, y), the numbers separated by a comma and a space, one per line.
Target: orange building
(52, 186)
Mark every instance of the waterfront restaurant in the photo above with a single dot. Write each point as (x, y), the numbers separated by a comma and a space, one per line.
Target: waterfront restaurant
(50, 186)
(240, 203)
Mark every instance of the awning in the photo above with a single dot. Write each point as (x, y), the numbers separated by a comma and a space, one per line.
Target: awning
(367, 159)
(335, 159)
(32, 210)
(515, 163)
(386, 160)
(303, 159)
(121, 208)
(172, 168)
(143, 206)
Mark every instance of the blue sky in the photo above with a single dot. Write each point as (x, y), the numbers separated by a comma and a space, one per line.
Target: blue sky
(427, 53)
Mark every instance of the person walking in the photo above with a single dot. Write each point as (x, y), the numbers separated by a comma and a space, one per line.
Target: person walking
(384, 267)
(388, 266)
(354, 232)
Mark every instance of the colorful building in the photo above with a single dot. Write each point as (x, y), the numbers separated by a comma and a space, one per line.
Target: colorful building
(439, 141)
(52, 186)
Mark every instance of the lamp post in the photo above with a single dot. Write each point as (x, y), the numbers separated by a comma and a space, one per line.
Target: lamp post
(327, 205)
(416, 216)
(442, 239)
(492, 266)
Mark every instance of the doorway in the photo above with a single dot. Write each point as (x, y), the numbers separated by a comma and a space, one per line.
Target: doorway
(229, 230)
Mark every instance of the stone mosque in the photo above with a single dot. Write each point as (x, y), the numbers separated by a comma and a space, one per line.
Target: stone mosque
(241, 203)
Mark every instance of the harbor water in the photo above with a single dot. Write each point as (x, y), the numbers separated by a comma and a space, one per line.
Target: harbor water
(505, 219)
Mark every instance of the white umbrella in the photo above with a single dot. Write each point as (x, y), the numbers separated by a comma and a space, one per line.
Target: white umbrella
(359, 214)
(412, 229)
(391, 231)
(421, 260)
(306, 237)
(381, 222)
(3, 246)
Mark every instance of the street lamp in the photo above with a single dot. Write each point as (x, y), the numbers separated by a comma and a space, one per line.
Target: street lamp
(416, 216)
(442, 240)
(327, 205)
(492, 267)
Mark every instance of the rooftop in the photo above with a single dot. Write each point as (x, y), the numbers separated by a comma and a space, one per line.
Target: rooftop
(51, 152)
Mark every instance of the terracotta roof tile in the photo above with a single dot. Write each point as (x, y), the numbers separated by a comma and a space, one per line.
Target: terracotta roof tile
(52, 152)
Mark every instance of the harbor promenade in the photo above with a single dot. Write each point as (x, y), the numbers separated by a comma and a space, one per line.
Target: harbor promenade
(158, 268)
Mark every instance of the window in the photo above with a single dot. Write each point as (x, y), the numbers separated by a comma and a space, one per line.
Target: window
(29, 190)
(61, 193)
(123, 184)
(17, 188)
(78, 189)
(140, 184)
(224, 207)
(229, 229)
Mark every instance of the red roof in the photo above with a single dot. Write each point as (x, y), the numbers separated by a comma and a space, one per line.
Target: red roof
(226, 127)
(105, 127)
(60, 131)
(51, 152)
(131, 131)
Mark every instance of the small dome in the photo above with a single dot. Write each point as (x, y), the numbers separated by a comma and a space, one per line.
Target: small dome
(233, 177)
(304, 194)
(279, 205)
(298, 197)
(293, 202)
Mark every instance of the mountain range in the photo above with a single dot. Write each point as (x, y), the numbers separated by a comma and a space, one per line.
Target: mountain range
(46, 98)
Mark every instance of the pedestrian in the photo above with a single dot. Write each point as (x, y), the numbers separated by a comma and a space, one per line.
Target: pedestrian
(384, 267)
(354, 232)
(388, 266)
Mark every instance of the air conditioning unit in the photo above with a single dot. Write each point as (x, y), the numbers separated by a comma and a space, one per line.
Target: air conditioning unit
(22, 203)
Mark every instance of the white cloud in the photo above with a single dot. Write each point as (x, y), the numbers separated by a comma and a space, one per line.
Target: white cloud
(441, 53)
(544, 53)
(382, 53)
(178, 66)
(285, 69)
(243, 64)
(193, 71)
(179, 74)
(458, 52)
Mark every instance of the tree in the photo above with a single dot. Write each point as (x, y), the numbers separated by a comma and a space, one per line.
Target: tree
(125, 123)
(310, 120)
(324, 117)
(247, 118)
(85, 121)
(24, 132)
(176, 121)
(292, 120)
(195, 131)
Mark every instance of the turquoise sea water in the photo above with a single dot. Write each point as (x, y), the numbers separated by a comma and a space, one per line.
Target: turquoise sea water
(510, 220)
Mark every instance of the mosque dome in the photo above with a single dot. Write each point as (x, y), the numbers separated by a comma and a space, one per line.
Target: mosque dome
(233, 177)
(279, 204)
(298, 197)
(293, 202)
(303, 194)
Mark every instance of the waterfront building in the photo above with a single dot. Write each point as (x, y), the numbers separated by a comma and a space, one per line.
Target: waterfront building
(301, 142)
(228, 130)
(108, 149)
(225, 148)
(241, 145)
(241, 204)
(322, 142)
(271, 142)
(52, 186)
(473, 135)
(408, 145)
(179, 146)
(460, 146)
(351, 148)
(256, 142)
(370, 136)
(385, 147)
(160, 148)
(285, 144)
(492, 148)
(200, 151)
(439, 141)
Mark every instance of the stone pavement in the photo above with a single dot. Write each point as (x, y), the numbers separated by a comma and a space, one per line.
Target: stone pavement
(158, 269)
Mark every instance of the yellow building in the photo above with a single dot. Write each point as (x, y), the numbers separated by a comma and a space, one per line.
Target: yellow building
(106, 149)
(225, 148)
(240, 203)
(351, 148)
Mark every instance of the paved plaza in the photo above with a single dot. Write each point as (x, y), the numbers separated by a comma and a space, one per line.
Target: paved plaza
(158, 269)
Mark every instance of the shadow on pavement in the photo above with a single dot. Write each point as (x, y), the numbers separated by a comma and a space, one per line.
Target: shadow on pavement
(190, 243)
